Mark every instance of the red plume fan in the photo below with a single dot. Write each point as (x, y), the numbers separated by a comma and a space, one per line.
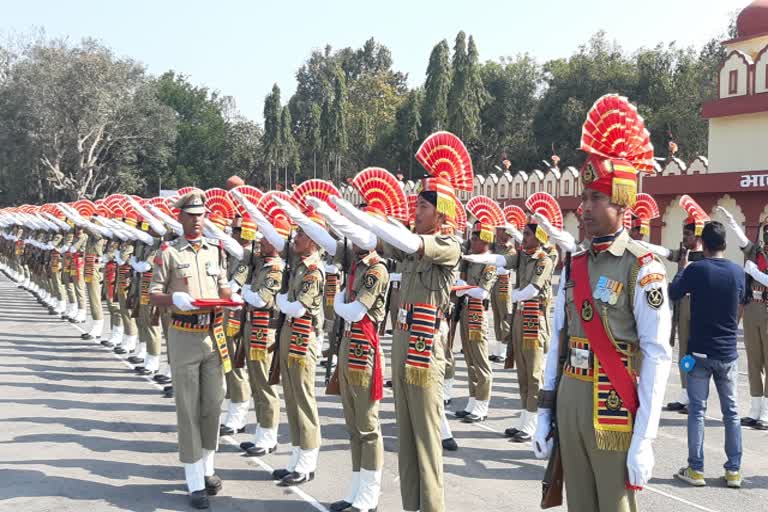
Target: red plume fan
(218, 203)
(186, 190)
(320, 189)
(382, 191)
(515, 215)
(103, 211)
(545, 204)
(646, 207)
(696, 214)
(113, 200)
(461, 217)
(627, 220)
(253, 194)
(269, 207)
(85, 208)
(412, 198)
(614, 129)
(443, 155)
(164, 205)
(486, 210)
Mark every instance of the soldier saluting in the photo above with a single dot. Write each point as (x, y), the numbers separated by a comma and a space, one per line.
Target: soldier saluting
(187, 269)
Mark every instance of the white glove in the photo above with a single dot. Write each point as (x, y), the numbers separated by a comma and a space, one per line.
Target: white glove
(234, 286)
(516, 235)
(562, 238)
(395, 277)
(331, 269)
(233, 248)
(352, 312)
(399, 238)
(253, 298)
(155, 224)
(460, 282)
(494, 260)
(501, 271)
(142, 266)
(265, 227)
(526, 293)
(73, 249)
(640, 461)
(292, 309)
(120, 261)
(311, 228)
(357, 234)
(132, 261)
(477, 293)
(173, 223)
(541, 445)
(235, 297)
(62, 249)
(183, 301)
(752, 269)
(731, 223)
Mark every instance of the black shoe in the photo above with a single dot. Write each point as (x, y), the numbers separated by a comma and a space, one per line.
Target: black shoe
(107, 344)
(388, 384)
(761, 425)
(748, 422)
(120, 350)
(245, 445)
(143, 371)
(168, 391)
(473, 418)
(511, 432)
(446, 403)
(199, 499)
(462, 414)
(135, 360)
(279, 474)
(162, 379)
(674, 406)
(684, 410)
(496, 359)
(521, 437)
(450, 445)
(86, 336)
(229, 431)
(296, 479)
(255, 451)
(213, 485)
(52, 312)
(339, 506)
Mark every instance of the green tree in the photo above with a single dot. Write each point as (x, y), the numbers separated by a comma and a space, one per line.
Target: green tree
(272, 132)
(289, 151)
(436, 88)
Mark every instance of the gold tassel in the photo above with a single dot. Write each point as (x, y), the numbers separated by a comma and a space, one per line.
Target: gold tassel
(541, 235)
(530, 343)
(503, 297)
(446, 206)
(359, 378)
(475, 335)
(486, 236)
(699, 230)
(421, 377)
(232, 331)
(297, 360)
(645, 229)
(624, 192)
(258, 354)
(612, 440)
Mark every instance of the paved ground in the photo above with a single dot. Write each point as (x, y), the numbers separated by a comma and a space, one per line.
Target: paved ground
(80, 431)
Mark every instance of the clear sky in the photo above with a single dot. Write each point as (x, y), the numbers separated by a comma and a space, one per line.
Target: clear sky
(242, 47)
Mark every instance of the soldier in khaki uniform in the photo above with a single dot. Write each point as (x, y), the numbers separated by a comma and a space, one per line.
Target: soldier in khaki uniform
(127, 341)
(94, 251)
(70, 311)
(474, 325)
(681, 319)
(611, 307)
(238, 388)
(261, 295)
(755, 321)
(57, 288)
(78, 273)
(110, 287)
(534, 265)
(190, 268)
(430, 260)
(501, 306)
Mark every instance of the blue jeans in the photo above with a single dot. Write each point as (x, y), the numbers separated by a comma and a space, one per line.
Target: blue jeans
(725, 375)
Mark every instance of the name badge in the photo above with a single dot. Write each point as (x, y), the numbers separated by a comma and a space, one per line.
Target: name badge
(402, 316)
(580, 358)
(212, 269)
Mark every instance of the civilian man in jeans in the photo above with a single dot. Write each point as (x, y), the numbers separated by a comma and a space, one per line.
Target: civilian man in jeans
(717, 288)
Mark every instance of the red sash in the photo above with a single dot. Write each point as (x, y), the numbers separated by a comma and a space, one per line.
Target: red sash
(601, 344)
(372, 334)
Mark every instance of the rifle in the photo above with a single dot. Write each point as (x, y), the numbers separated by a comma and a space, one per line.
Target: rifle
(274, 367)
(552, 483)
(332, 381)
(134, 288)
(459, 304)
(388, 303)
(509, 361)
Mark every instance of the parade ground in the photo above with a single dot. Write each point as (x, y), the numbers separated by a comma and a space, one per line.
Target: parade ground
(80, 431)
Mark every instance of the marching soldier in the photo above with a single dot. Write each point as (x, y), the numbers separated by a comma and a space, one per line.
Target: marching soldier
(188, 269)
(500, 303)
(474, 315)
(98, 237)
(755, 321)
(110, 291)
(78, 275)
(611, 306)
(260, 333)
(642, 213)
(123, 255)
(429, 261)
(70, 311)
